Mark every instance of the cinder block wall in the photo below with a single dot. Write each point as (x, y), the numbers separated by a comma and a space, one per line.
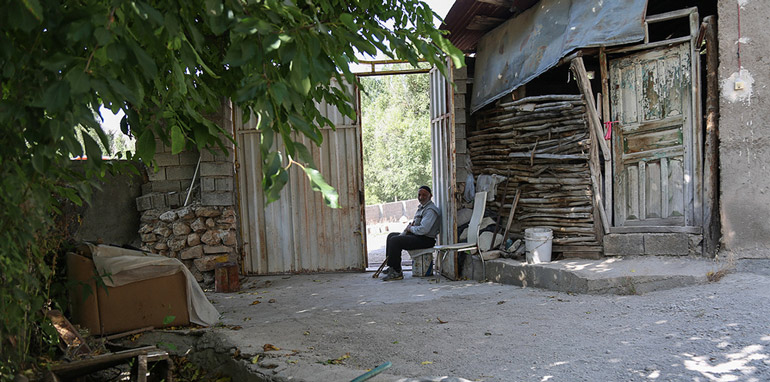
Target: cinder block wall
(462, 95)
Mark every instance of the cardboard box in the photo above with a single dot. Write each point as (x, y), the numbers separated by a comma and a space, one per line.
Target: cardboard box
(106, 310)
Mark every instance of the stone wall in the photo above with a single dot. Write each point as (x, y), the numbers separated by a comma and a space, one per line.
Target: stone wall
(198, 235)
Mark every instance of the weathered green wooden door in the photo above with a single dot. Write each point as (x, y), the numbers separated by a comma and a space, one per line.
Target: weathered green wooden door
(651, 97)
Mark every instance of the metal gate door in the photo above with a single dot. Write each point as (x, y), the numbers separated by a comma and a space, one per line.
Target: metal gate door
(443, 154)
(651, 96)
(298, 233)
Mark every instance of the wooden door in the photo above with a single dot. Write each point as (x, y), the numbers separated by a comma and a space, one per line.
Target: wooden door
(651, 97)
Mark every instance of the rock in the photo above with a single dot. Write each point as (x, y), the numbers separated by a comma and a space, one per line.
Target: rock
(168, 216)
(229, 221)
(211, 249)
(146, 228)
(185, 213)
(148, 237)
(193, 239)
(228, 237)
(197, 274)
(161, 246)
(195, 252)
(208, 212)
(181, 229)
(210, 223)
(198, 225)
(208, 278)
(149, 216)
(228, 212)
(162, 231)
(211, 237)
(206, 263)
(177, 243)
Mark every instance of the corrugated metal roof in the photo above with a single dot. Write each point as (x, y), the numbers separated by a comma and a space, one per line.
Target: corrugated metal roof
(468, 20)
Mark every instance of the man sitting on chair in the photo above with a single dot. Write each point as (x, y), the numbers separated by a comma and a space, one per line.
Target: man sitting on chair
(420, 233)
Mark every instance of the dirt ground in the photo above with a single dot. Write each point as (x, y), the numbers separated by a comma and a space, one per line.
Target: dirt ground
(718, 331)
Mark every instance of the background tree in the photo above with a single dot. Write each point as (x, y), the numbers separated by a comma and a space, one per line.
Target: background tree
(396, 136)
(166, 64)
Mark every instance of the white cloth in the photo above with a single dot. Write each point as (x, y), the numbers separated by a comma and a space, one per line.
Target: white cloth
(489, 184)
(126, 266)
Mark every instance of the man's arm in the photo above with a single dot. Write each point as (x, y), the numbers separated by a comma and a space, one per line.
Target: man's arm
(428, 218)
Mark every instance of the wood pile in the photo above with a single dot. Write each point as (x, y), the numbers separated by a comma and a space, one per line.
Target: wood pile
(543, 145)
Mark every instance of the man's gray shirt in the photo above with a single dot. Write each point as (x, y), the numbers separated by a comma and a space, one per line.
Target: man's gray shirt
(426, 220)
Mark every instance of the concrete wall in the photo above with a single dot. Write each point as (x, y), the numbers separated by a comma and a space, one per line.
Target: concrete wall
(111, 217)
(744, 129)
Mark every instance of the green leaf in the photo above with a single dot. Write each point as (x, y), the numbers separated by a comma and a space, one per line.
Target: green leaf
(317, 183)
(93, 151)
(33, 6)
(347, 19)
(177, 140)
(57, 96)
(145, 146)
(168, 319)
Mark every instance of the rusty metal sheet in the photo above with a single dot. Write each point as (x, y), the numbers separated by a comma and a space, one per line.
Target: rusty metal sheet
(528, 45)
(298, 233)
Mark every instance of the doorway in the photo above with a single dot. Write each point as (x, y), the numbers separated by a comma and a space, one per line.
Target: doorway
(396, 145)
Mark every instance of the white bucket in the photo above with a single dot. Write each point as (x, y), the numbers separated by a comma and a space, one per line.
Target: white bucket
(538, 242)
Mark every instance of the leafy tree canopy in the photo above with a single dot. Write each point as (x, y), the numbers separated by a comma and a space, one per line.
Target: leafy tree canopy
(166, 64)
(396, 136)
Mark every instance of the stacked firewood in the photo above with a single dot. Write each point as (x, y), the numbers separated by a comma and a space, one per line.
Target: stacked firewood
(542, 145)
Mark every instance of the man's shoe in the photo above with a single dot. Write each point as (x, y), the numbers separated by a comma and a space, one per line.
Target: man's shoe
(394, 275)
(385, 273)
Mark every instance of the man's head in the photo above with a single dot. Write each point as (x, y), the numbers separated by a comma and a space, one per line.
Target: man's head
(424, 194)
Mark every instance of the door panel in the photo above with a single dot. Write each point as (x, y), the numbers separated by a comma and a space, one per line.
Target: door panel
(298, 232)
(650, 96)
(443, 156)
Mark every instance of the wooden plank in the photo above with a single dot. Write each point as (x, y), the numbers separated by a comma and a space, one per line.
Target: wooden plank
(677, 14)
(99, 362)
(664, 190)
(657, 229)
(578, 68)
(642, 190)
(649, 46)
(697, 120)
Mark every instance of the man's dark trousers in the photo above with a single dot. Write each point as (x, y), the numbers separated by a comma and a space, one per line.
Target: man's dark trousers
(397, 242)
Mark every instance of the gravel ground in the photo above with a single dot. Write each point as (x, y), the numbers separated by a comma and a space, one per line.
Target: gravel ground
(490, 332)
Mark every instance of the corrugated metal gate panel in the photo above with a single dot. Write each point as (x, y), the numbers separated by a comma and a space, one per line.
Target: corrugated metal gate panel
(298, 233)
(443, 154)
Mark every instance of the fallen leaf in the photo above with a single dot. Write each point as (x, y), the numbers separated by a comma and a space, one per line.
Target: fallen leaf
(256, 302)
(500, 302)
(395, 342)
(338, 361)
(487, 333)
(268, 347)
(291, 361)
(272, 300)
(270, 366)
(440, 321)
(426, 362)
(306, 333)
(247, 318)
(255, 359)
(237, 353)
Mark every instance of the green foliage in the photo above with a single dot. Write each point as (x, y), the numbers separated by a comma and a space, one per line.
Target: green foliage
(167, 65)
(396, 136)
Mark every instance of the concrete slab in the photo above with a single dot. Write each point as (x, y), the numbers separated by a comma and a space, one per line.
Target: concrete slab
(614, 275)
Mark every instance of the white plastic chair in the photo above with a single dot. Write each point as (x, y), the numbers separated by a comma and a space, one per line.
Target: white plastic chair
(479, 205)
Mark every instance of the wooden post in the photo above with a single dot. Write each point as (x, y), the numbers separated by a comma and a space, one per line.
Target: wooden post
(606, 117)
(711, 223)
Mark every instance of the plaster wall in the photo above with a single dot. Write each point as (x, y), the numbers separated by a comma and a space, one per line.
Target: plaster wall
(744, 127)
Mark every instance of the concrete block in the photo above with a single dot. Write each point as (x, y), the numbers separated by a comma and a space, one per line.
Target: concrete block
(188, 158)
(206, 156)
(158, 201)
(144, 203)
(623, 244)
(459, 100)
(461, 146)
(667, 244)
(217, 198)
(175, 199)
(460, 131)
(166, 159)
(224, 184)
(156, 175)
(180, 172)
(460, 73)
(160, 147)
(461, 86)
(216, 169)
(146, 188)
(166, 186)
(208, 184)
(460, 117)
